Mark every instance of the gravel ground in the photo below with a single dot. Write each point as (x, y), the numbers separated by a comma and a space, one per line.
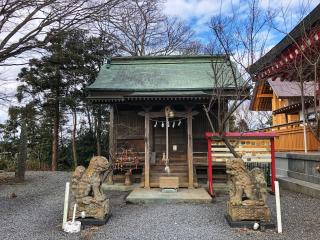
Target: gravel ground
(36, 213)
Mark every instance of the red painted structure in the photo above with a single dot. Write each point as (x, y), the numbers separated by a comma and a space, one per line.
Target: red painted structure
(242, 136)
(297, 50)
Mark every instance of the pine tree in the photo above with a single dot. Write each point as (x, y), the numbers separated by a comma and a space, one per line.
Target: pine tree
(56, 82)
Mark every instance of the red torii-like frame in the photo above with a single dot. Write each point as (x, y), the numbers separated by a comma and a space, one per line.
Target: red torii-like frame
(237, 135)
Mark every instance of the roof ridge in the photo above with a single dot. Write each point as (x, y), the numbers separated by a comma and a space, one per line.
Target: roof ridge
(167, 57)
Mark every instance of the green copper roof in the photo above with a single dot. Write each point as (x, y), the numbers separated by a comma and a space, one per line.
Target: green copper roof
(163, 73)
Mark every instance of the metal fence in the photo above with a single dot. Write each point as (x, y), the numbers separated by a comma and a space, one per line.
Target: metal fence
(266, 167)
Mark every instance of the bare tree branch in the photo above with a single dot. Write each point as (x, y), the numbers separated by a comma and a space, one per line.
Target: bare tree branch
(138, 28)
(24, 24)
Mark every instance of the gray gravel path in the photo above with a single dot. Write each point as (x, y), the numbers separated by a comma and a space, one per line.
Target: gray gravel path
(36, 213)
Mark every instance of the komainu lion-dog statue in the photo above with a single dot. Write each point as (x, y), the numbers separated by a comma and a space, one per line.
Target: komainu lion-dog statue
(247, 191)
(86, 189)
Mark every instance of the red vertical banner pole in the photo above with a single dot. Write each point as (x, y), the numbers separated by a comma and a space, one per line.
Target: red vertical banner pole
(273, 164)
(210, 190)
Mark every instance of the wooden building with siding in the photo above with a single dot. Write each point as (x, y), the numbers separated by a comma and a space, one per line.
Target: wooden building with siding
(145, 94)
(278, 76)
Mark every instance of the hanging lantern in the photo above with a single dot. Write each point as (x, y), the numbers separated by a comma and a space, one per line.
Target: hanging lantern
(173, 124)
(162, 124)
(168, 111)
(155, 125)
(179, 123)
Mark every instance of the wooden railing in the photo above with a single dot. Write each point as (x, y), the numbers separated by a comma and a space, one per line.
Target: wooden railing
(290, 137)
(253, 147)
(200, 158)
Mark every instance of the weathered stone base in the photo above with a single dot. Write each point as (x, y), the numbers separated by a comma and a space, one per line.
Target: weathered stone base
(89, 221)
(250, 213)
(249, 224)
(96, 210)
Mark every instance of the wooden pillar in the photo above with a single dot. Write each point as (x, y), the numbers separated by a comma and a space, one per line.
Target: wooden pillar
(111, 141)
(190, 150)
(210, 188)
(111, 133)
(273, 165)
(147, 150)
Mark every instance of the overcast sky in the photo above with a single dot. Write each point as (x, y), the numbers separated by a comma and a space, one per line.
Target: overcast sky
(197, 14)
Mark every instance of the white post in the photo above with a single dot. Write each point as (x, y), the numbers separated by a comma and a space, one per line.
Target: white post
(66, 203)
(74, 212)
(167, 137)
(279, 223)
(305, 135)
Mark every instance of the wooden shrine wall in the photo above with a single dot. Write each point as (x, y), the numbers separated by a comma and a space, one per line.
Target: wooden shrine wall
(129, 129)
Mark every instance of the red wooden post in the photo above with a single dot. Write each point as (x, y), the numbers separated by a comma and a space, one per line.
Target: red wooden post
(210, 167)
(273, 164)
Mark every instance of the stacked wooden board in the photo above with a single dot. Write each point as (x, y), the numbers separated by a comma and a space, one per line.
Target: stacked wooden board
(250, 150)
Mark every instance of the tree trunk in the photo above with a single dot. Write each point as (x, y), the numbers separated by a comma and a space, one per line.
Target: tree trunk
(74, 135)
(55, 137)
(22, 157)
(98, 131)
(223, 138)
(89, 118)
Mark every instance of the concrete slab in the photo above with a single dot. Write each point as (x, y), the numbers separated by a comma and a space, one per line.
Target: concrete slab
(119, 187)
(154, 195)
(300, 186)
(221, 188)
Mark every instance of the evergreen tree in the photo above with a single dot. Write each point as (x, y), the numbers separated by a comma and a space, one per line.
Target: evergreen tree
(56, 82)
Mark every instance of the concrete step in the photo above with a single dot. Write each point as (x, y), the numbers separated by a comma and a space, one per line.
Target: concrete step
(300, 186)
(141, 195)
(217, 187)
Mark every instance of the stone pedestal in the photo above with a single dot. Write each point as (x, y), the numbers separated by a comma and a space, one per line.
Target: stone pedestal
(249, 213)
(92, 208)
(93, 221)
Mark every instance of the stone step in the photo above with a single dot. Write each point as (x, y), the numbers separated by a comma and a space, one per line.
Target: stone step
(141, 195)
